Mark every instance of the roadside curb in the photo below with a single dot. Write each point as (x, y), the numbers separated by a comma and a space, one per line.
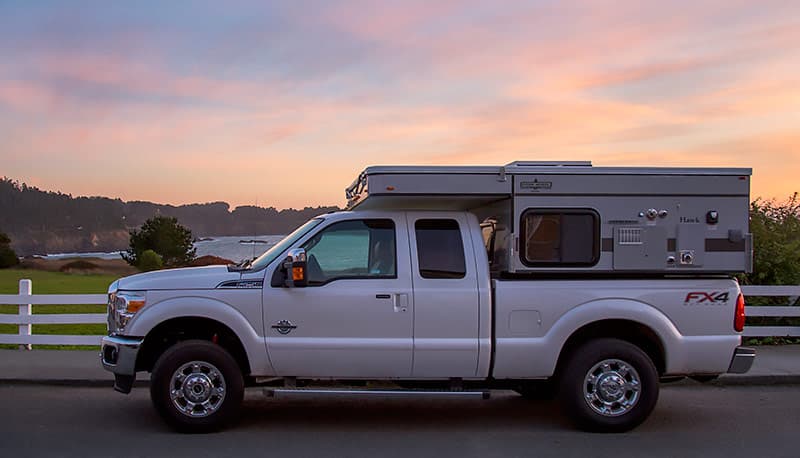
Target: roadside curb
(722, 381)
(68, 382)
(737, 380)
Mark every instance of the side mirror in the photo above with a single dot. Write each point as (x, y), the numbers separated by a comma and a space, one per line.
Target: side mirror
(295, 267)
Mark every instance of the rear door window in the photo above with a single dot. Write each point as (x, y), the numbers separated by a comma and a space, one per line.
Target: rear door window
(440, 248)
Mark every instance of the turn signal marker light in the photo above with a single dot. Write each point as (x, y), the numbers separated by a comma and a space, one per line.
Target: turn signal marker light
(135, 306)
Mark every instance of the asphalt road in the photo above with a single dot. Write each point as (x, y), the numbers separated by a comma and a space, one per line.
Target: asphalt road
(694, 420)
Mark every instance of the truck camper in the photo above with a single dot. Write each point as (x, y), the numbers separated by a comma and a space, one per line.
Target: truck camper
(591, 284)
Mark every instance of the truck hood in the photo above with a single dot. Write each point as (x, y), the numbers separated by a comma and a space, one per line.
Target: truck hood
(187, 278)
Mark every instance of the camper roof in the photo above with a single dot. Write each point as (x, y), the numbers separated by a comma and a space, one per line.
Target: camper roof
(552, 167)
(465, 186)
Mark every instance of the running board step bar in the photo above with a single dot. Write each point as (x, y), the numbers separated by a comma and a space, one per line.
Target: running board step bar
(288, 392)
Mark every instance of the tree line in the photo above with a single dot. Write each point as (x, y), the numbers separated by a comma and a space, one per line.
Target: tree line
(39, 221)
(31, 218)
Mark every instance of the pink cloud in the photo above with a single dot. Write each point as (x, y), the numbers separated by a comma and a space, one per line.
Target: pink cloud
(27, 97)
(641, 72)
(150, 76)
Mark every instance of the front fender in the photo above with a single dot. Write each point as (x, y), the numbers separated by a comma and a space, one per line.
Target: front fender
(204, 307)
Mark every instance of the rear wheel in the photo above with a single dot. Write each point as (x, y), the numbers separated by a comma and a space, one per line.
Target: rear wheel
(197, 387)
(608, 385)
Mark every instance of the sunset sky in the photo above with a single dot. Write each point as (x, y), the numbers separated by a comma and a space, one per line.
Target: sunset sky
(283, 103)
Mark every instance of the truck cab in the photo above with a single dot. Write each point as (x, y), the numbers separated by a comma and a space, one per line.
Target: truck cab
(387, 295)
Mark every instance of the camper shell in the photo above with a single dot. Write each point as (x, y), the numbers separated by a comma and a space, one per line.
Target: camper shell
(572, 217)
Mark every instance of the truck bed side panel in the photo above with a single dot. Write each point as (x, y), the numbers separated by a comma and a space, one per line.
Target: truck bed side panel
(693, 318)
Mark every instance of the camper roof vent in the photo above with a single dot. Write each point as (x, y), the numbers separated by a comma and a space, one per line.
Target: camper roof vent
(550, 164)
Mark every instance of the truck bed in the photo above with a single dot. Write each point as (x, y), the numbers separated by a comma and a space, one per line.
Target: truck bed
(692, 318)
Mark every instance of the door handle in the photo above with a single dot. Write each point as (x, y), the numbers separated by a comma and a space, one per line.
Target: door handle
(400, 302)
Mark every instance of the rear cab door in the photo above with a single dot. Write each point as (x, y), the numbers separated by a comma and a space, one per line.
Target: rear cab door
(447, 303)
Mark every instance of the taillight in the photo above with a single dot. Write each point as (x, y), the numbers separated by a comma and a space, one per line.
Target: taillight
(738, 319)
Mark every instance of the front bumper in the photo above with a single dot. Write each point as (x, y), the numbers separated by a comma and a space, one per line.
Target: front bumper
(118, 355)
(742, 360)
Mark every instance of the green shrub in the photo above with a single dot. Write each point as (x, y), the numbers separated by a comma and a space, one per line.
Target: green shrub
(172, 242)
(150, 260)
(8, 257)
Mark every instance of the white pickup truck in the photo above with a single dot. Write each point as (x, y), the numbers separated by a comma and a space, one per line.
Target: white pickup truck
(416, 297)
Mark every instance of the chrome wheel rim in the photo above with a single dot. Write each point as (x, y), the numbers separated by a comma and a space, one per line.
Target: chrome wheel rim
(612, 387)
(197, 389)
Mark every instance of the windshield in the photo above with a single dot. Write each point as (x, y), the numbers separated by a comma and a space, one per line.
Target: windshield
(280, 247)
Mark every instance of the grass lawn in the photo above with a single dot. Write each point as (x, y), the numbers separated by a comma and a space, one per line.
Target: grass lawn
(55, 283)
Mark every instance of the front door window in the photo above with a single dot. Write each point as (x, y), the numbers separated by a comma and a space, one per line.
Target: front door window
(352, 249)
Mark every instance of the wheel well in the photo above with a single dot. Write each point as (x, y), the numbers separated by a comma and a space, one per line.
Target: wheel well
(170, 332)
(629, 331)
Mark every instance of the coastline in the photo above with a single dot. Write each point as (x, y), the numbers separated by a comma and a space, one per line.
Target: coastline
(230, 247)
(102, 266)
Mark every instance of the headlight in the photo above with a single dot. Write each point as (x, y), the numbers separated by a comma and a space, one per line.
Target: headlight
(129, 301)
(125, 305)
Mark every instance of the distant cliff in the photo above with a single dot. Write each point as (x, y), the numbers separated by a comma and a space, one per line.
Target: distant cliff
(41, 222)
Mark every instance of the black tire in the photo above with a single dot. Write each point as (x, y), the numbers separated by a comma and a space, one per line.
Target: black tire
(614, 405)
(538, 390)
(215, 368)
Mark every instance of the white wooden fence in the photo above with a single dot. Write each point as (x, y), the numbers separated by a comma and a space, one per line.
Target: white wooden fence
(772, 311)
(25, 300)
(24, 319)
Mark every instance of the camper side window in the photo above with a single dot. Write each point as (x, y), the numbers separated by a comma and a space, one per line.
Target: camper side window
(552, 237)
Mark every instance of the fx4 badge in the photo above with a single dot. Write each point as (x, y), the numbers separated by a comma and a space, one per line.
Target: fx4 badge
(702, 297)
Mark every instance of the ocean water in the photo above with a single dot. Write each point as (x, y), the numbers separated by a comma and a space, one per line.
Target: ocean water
(235, 248)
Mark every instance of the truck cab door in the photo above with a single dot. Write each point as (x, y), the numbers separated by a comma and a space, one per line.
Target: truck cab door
(446, 299)
(354, 319)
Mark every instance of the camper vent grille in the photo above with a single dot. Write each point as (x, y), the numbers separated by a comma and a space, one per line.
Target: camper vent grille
(630, 236)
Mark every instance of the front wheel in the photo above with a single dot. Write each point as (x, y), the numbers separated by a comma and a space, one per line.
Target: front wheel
(197, 387)
(608, 385)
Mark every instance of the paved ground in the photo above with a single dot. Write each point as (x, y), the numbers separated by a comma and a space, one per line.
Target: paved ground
(701, 421)
(773, 364)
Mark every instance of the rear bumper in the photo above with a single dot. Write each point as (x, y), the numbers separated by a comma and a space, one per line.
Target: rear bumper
(118, 355)
(742, 360)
